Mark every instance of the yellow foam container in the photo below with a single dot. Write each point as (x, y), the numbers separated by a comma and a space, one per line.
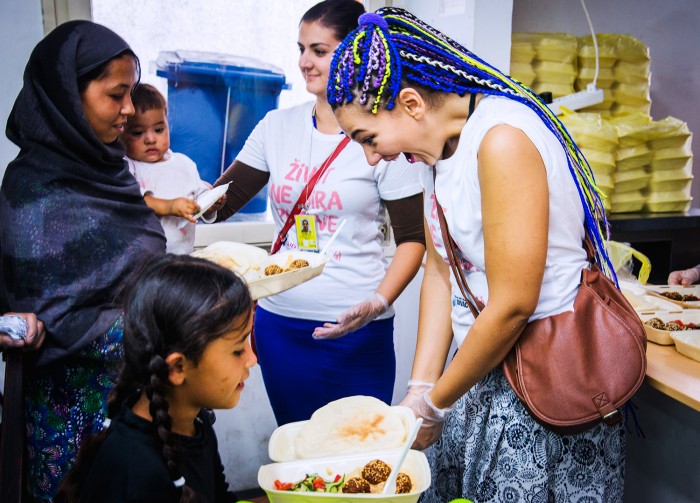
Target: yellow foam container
(635, 179)
(627, 202)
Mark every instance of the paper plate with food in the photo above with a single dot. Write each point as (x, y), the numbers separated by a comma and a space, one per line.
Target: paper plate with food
(285, 270)
(346, 478)
(239, 257)
(266, 274)
(661, 326)
(687, 297)
(641, 301)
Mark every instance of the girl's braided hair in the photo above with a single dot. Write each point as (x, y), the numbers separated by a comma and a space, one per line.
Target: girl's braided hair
(392, 49)
(179, 304)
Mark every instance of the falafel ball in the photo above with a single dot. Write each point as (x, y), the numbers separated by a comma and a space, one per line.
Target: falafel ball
(376, 471)
(298, 264)
(403, 483)
(356, 485)
(273, 269)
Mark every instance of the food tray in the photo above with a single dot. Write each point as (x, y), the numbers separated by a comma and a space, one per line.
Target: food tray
(687, 343)
(239, 257)
(264, 286)
(281, 445)
(665, 337)
(415, 465)
(638, 297)
(657, 290)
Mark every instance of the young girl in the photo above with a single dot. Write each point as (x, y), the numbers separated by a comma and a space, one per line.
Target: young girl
(186, 327)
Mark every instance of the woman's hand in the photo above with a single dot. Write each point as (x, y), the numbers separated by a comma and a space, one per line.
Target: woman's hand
(433, 420)
(414, 391)
(184, 207)
(354, 318)
(33, 338)
(686, 277)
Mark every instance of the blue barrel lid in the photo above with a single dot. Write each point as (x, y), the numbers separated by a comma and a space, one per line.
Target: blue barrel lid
(212, 67)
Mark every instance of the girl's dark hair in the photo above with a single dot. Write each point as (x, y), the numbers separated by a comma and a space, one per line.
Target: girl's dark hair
(338, 15)
(178, 304)
(101, 71)
(146, 97)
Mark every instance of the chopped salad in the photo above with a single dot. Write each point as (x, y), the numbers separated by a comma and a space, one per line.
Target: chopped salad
(313, 482)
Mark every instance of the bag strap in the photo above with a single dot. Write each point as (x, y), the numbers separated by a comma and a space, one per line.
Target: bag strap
(475, 305)
(308, 189)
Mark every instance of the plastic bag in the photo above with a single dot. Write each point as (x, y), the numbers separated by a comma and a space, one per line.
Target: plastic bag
(622, 256)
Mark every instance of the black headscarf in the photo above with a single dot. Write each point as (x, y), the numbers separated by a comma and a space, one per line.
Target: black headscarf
(73, 224)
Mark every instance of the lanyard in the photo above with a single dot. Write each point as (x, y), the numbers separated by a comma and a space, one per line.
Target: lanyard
(282, 236)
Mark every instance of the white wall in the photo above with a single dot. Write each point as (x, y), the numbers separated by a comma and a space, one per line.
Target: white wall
(266, 31)
(20, 29)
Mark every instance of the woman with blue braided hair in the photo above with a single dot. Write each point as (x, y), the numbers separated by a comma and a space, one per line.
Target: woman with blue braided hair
(518, 199)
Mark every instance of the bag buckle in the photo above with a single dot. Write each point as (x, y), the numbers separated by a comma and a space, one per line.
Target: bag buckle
(612, 417)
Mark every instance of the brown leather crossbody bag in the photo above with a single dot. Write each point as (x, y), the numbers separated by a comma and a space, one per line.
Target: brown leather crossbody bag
(574, 369)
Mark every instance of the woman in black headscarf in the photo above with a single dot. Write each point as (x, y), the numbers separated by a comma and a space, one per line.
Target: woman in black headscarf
(73, 227)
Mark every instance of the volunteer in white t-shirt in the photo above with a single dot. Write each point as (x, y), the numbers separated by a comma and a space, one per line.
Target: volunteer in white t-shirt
(332, 336)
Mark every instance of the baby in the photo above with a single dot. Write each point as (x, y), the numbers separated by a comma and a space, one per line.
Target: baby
(169, 181)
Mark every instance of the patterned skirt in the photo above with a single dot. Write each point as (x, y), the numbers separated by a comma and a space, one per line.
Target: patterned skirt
(492, 450)
(65, 404)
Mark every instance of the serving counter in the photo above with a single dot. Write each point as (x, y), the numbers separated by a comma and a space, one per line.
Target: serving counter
(662, 465)
(674, 374)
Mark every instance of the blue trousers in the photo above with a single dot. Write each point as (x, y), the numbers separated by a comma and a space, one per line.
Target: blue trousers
(302, 374)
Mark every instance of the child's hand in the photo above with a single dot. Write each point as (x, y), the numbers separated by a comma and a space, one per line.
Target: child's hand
(184, 207)
(216, 206)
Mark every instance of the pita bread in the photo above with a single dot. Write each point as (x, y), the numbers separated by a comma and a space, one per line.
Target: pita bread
(350, 425)
(241, 258)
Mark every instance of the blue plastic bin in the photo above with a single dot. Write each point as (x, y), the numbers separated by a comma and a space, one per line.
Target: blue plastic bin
(214, 102)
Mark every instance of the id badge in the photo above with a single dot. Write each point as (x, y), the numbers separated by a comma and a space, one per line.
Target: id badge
(306, 232)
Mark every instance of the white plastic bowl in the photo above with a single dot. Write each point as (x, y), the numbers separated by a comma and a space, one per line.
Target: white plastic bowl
(415, 465)
(687, 343)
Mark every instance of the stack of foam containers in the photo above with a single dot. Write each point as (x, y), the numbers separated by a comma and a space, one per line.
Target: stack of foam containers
(555, 64)
(632, 74)
(597, 139)
(552, 67)
(522, 54)
(671, 167)
(632, 161)
(607, 59)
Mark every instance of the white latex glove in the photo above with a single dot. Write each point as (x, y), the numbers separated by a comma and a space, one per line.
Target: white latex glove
(415, 390)
(354, 318)
(433, 421)
(686, 277)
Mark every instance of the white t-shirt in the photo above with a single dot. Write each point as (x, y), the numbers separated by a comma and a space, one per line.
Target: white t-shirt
(285, 144)
(457, 189)
(461, 315)
(175, 176)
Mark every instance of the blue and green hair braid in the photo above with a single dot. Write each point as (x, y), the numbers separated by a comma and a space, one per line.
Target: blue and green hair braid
(392, 48)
